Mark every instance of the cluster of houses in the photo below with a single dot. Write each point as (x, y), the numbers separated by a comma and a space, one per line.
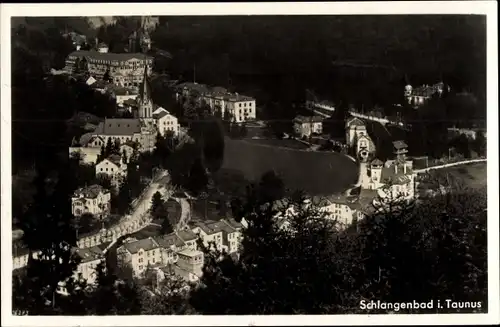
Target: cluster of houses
(176, 252)
(420, 95)
(241, 108)
(133, 134)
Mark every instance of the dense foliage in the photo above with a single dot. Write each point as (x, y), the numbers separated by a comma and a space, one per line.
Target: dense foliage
(431, 250)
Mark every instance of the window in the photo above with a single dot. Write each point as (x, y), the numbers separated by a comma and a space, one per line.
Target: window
(111, 169)
(101, 169)
(140, 267)
(140, 260)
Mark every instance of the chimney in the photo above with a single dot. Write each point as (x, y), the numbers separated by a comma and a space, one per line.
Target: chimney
(404, 167)
(396, 168)
(78, 47)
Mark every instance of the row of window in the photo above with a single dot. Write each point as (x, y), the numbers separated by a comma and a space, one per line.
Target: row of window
(245, 104)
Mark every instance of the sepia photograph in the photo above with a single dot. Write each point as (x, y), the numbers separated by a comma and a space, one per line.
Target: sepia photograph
(220, 162)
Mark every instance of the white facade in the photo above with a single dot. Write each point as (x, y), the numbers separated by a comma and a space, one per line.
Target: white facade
(115, 170)
(139, 254)
(120, 98)
(94, 200)
(90, 258)
(306, 126)
(166, 122)
(241, 110)
(210, 236)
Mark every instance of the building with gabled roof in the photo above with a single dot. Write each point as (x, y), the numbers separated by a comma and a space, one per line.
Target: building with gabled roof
(358, 139)
(139, 254)
(93, 199)
(306, 126)
(127, 130)
(113, 167)
(89, 259)
(165, 122)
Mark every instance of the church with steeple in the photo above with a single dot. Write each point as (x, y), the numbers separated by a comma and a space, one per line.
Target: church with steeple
(144, 99)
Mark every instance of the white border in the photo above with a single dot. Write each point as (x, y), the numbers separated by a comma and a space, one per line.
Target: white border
(488, 8)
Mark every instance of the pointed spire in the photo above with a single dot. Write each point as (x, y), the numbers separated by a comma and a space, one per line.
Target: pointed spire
(145, 88)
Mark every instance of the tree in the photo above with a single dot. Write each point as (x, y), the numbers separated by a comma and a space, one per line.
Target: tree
(271, 187)
(390, 256)
(170, 297)
(463, 145)
(480, 143)
(48, 229)
(112, 296)
(304, 252)
(198, 178)
(156, 201)
(166, 225)
(108, 149)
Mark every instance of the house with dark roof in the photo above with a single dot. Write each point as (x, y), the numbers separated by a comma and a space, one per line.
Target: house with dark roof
(306, 126)
(93, 199)
(126, 130)
(89, 259)
(113, 167)
(140, 254)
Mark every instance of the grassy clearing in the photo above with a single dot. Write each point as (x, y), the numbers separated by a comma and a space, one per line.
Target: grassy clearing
(473, 175)
(317, 173)
(286, 143)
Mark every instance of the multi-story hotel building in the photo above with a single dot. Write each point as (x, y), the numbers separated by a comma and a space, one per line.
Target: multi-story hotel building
(125, 69)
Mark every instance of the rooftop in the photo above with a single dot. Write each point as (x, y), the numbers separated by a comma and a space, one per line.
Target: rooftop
(310, 119)
(116, 159)
(233, 223)
(94, 55)
(146, 244)
(235, 97)
(89, 254)
(166, 241)
(187, 235)
(395, 173)
(354, 121)
(118, 126)
(189, 252)
(90, 192)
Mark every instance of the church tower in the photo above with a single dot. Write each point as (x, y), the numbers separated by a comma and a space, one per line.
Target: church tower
(144, 99)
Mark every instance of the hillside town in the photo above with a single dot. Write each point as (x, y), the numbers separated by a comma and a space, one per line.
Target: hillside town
(148, 202)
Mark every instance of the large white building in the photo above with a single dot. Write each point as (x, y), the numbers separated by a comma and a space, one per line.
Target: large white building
(241, 108)
(94, 200)
(166, 122)
(124, 69)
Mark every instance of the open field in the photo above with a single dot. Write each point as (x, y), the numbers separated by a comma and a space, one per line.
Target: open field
(317, 173)
(292, 144)
(473, 175)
